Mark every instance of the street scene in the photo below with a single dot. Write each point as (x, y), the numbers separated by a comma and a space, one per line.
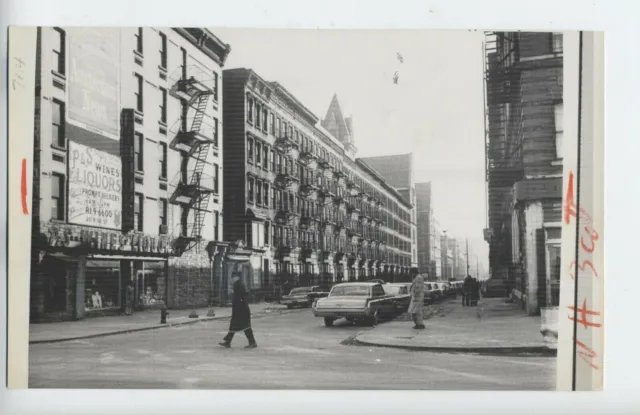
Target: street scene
(266, 209)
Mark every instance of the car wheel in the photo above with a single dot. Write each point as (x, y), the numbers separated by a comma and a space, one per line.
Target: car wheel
(328, 321)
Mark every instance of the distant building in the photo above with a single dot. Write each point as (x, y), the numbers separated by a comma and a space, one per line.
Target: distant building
(426, 231)
(524, 163)
(398, 171)
(127, 161)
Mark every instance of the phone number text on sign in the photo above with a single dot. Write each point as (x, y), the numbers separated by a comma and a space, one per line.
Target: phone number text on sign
(95, 187)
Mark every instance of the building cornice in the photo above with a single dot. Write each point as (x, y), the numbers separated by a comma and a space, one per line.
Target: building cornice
(207, 42)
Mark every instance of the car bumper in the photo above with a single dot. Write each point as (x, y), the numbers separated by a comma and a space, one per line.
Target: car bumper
(294, 302)
(342, 313)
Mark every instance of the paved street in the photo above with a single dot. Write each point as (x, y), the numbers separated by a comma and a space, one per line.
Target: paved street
(295, 350)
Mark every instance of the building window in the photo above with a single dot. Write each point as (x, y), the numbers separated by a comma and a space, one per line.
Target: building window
(215, 86)
(265, 157)
(216, 229)
(266, 194)
(258, 154)
(183, 52)
(162, 207)
(284, 128)
(138, 214)
(272, 160)
(58, 138)
(139, 93)
(559, 114)
(250, 149)
(273, 198)
(163, 105)
(250, 192)
(258, 192)
(258, 112)
(215, 132)
(556, 42)
(58, 51)
(163, 51)
(139, 41)
(265, 116)
(272, 123)
(267, 233)
(163, 161)
(278, 127)
(57, 196)
(250, 110)
(216, 180)
(138, 146)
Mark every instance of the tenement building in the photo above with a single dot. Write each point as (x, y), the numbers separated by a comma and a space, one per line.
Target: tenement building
(305, 208)
(524, 163)
(127, 165)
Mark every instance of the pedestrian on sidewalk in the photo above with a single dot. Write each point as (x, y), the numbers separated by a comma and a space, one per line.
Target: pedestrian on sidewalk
(129, 294)
(467, 288)
(417, 299)
(240, 314)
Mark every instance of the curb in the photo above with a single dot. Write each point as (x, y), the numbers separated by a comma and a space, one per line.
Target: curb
(147, 328)
(532, 351)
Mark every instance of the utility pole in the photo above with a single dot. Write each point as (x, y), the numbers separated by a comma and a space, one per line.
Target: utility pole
(467, 241)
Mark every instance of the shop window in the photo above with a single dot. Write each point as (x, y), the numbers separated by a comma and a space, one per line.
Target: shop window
(102, 282)
(150, 285)
(138, 212)
(58, 51)
(57, 196)
(58, 123)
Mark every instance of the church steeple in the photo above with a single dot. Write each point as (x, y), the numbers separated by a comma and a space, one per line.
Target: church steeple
(339, 126)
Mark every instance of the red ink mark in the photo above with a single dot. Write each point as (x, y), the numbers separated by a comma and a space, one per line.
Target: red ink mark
(594, 238)
(23, 188)
(584, 312)
(590, 354)
(570, 205)
(582, 267)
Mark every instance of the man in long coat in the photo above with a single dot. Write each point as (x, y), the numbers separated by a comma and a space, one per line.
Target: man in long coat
(240, 314)
(417, 299)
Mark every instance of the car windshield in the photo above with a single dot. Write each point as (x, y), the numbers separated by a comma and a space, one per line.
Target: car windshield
(391, 290)
(300, 291)
(358, 290)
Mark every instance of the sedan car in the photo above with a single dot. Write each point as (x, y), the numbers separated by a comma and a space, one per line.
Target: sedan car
(431, 294)
(355, 301)
(401, 293)
(303, 296)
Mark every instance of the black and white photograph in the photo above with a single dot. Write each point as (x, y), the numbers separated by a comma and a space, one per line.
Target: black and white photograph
(227, 208)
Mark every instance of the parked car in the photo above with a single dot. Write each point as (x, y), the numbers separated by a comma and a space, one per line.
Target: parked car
(401, 293)
(303, 296)
(431, 294)
(355, 301)
(377, 281)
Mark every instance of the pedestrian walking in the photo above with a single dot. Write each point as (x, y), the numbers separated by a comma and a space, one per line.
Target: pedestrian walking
(417, 299)
(467, 288)
(240, 314)
(128, 308)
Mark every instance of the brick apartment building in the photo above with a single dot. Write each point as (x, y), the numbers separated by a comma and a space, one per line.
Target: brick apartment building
(127, 159)
(307, 210)
(524, 163)
(397, 169)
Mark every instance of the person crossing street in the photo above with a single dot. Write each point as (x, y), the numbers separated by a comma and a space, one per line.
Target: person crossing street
(417, 299)
(240, 314)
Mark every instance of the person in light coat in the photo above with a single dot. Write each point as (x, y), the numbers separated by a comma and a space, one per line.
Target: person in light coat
(417, 299)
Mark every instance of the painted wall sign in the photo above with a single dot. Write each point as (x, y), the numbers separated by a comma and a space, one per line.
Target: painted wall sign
(94, 75)
(95, 187)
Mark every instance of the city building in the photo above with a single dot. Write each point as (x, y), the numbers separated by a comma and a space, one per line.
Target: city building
(127, 158)
(398, 171)
(306, 209)
(426, 231)
(523, 74)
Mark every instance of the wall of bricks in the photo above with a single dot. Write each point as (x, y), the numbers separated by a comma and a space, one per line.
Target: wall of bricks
(189, 279)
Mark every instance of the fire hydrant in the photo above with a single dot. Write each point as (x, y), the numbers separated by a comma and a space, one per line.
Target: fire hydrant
(163, 316)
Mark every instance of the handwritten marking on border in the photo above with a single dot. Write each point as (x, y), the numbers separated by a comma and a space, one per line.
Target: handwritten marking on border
(23, 188)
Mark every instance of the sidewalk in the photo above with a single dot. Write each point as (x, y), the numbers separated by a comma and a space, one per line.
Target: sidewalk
(139, 321)
(492, 327)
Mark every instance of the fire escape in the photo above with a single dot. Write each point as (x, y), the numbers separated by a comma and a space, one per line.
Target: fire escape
(193, 138)
(503, 141)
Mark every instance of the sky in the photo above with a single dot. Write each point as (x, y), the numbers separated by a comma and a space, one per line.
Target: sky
(434, 111)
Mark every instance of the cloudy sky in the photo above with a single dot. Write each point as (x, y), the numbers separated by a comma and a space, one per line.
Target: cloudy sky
(435, 110)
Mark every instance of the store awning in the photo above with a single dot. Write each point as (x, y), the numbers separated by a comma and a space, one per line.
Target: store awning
(126, 257)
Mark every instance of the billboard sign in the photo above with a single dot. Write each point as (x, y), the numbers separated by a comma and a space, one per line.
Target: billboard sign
(94, 75)
(95, 187)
